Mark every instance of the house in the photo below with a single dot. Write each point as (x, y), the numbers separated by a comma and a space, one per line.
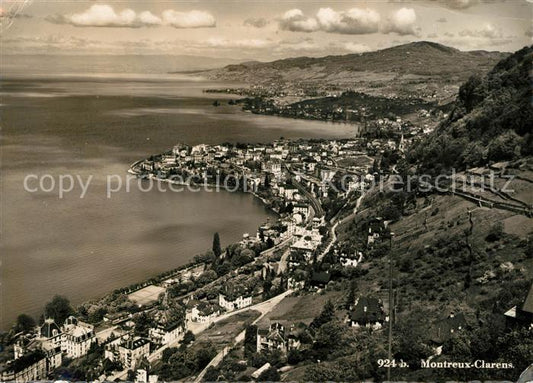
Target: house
(276, 337)
(320, 279)
(302, 209)
(142, 376)
(272, 338)
(234, 302)
(166, 333)
(260, 370)
(76, 338)
(376, 228)
(305, 247)
(348, 260)
(444, 329)
(367, 312)
(31, 366)
(34, 363)
(204, 312)
(50, 331)
(522, 315)
(295, 284)
(129, 352)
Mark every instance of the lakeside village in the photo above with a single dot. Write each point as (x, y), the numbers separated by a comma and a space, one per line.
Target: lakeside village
(131, 329)
(221, 316)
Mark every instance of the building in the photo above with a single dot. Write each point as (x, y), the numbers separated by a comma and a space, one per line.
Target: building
(32, 363)
(320, 279)
(51, 331)
(272, 338)
(301, 208)
(350, 260)
(204, 312)
(367, 312)
(276, 337)
(166, 333)
(257, 373)
(234, 302)
(522, 315)
(142, 376)
(129, 352)
(76, 338)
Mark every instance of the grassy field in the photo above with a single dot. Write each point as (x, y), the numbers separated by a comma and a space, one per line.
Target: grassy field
(222, 333)
(302, 308)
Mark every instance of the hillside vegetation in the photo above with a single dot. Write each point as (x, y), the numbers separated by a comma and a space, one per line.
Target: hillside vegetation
(450, 257)
(492, 120)
(418, 58)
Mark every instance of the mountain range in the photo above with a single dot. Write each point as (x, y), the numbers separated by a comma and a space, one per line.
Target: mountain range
(417, 59)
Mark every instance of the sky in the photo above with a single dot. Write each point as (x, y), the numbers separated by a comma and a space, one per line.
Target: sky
(258, 30)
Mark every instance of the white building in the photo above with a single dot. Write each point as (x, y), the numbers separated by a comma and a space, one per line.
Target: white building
(76, 338)
(166, 334)
(235, 304)
(204, 312)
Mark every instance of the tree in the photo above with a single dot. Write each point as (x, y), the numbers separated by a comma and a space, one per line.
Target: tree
(350, 300)
(59, 309)
(242, 258)
(327, 314)
(267, 181)
(25, 323)
(188, 337)
(250, 340)
(204, 355)
(269, 375)
(217, 250)
(267, 286)
(142, 324)
(495, 232)
(211, 374)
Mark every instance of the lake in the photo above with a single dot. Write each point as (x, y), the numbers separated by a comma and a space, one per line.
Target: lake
(96, 125)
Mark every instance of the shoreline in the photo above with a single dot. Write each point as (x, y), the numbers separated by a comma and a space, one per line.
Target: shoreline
(132, 171)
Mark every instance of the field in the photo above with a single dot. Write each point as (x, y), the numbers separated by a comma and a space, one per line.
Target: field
(146, 295)
(224, 332)
(303, 308)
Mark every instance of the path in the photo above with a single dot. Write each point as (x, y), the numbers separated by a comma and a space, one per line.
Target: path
(333, 230)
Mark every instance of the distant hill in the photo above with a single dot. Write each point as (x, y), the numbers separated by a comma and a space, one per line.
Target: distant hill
(491, 120)
(418, 58)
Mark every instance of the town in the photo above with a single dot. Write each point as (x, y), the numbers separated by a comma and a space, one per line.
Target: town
(239, 311)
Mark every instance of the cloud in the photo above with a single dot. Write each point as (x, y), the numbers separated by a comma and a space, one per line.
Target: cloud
(442, 20)
(295, 21)
(101, 15)
(488, 32)
(356, 48)
(402, 22)
(256, 22)
(354, 21)
(246, 43)
(191, 19)
(147, 18)
(432, 36)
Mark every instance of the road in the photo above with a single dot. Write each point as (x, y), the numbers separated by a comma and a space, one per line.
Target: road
(333, 230)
